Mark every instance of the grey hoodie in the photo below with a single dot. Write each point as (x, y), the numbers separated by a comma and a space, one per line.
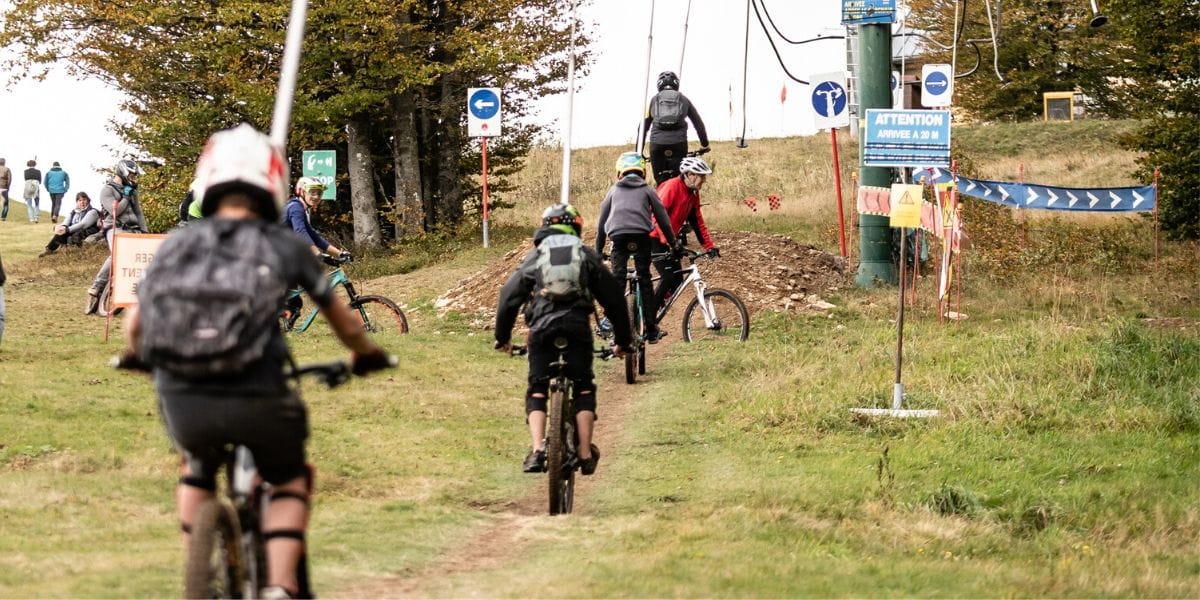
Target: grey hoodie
(628, 208)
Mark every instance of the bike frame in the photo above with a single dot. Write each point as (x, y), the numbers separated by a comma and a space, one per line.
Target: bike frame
(336, 277)
(693, 279)
(639, 319)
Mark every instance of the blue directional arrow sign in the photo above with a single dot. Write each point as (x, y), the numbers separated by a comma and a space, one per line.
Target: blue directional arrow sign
(937, 87)
(484, 103)
(483, 112)
(1048, 197)
(936, 83)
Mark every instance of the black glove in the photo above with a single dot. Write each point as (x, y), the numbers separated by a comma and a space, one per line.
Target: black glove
(347, 257)
(130, 360)
(714, 252)
(361, 364)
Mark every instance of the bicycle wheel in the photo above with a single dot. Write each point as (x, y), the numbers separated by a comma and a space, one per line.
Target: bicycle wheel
(730, 319)
(642, 361)
(380, 315)
(214, 567)
(631, 358)
(560, 482)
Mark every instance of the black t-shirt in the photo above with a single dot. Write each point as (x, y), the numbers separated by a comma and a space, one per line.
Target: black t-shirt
(264, 377)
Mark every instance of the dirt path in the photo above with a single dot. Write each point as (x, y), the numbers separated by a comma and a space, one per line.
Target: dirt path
(502, 540)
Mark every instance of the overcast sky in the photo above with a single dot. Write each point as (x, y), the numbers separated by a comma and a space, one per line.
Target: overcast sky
(65, 120)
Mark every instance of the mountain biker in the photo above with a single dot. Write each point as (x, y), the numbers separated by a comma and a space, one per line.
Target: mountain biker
(549, 319)
(666, 124)
(297, 216)
(121, 210)
(681, 198)
(241, 186)
(627, 215)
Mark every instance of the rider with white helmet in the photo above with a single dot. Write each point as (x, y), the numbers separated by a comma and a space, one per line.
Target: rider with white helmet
(681, 198)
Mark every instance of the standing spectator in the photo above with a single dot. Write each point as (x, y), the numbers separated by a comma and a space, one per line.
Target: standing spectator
(5, 184)
(666, 121)
(57, 183)
(77, 226)
(122, 210)
(33, 186)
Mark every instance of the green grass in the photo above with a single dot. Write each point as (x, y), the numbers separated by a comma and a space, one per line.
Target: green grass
(1065, 461)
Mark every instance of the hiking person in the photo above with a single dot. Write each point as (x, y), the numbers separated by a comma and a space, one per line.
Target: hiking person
(122, 210)
(681, 198)
(627, 215)
(5, 185)
(32, 191)
(219, 284)
(557, 284)
(189, 207)
(80, 223)
(665, 127)
(57, 182)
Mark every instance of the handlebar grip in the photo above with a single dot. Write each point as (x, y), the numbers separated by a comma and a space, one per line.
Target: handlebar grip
(129, 362)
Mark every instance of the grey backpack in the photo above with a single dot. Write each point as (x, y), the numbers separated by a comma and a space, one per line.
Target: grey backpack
(560, 268)
(669, 110)
(209, 304)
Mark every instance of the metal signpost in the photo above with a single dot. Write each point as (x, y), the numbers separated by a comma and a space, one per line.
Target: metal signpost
(322, 166)
(483, 121)
(829, 101)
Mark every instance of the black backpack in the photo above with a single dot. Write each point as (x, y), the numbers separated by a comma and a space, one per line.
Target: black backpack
(669, 110)
(209, 304)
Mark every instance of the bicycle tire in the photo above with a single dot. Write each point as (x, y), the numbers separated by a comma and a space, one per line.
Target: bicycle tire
(631, 358)
(642, 362)
(214, 566)
(556, 454)
(380, 314)
(733, 319)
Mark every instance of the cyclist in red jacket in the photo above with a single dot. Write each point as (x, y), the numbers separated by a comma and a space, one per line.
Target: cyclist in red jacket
(681, 197)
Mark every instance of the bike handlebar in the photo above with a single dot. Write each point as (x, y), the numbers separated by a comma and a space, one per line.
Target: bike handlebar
(604, 353)
(332, 374)
(691, 254)
(699, 151)
(336, 261)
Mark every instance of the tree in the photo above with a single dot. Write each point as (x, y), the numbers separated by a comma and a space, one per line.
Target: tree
(383, 83)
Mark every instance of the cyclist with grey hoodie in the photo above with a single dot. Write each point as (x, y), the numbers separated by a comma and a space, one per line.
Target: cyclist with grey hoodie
(627, 215)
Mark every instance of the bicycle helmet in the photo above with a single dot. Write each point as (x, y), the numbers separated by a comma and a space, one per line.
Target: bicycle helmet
(564, 218)
(127, 169)
(631, 161)
(668, 80)
(305, 184)
(241, 159)
(692, 164)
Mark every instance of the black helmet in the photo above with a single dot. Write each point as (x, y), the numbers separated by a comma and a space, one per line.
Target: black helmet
(564, 218)
(668, 80)
(125, 168)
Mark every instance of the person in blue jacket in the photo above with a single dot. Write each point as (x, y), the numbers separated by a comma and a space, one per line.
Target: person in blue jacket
(56, 182)
(296, 216)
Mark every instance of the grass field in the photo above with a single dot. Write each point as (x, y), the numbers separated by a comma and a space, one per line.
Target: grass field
(1065, 462)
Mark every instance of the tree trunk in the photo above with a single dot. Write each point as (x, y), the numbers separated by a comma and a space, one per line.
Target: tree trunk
(362, 188)
(410, 211)
(448, 156)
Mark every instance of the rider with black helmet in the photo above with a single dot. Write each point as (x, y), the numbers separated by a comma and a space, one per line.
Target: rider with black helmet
(665, 127)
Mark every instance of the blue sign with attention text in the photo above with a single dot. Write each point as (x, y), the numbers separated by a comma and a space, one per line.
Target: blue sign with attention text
(907, 138)
(857, 12)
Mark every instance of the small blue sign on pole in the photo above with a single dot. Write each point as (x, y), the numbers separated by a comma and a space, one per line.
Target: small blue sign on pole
(858, 12)
(907, 138)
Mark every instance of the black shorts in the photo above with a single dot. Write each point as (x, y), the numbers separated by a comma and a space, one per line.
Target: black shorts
(273, 428)
(576, 331)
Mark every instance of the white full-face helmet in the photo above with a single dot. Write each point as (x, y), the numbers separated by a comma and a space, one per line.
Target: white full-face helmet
(241, 159)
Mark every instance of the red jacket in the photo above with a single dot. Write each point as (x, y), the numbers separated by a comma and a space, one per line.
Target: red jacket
(682, 205)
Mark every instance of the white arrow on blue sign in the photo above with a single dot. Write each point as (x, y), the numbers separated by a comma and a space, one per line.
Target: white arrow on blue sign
(483, 112)
(937, 85)
(829, 100)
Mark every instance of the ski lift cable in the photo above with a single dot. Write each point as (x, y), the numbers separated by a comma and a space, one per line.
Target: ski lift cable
(771, 41)
(745, 71)
(790, 41)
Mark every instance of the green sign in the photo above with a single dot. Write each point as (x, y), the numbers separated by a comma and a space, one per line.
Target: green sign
(322, 166)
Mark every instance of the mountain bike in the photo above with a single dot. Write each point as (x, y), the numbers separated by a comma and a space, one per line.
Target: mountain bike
(378, 314)
(714, 314)
(635, 361)
(562, 439)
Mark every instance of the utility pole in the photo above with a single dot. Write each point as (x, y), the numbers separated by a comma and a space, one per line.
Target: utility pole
(875, 235)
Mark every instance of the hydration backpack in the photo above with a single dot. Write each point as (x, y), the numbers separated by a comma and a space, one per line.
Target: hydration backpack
(209, 304)
(669, 110)
(560, 268)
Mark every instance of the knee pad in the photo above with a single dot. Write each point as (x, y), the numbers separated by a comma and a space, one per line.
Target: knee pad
(534, 402)
(206, 484)
(585, 396)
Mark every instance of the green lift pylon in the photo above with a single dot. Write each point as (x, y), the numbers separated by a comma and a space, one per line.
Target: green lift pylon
(875, 235)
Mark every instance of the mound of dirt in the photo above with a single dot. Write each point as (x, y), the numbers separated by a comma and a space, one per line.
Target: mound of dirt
(768, 272)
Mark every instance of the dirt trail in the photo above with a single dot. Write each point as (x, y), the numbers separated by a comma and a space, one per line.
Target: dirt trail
(503, 539)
